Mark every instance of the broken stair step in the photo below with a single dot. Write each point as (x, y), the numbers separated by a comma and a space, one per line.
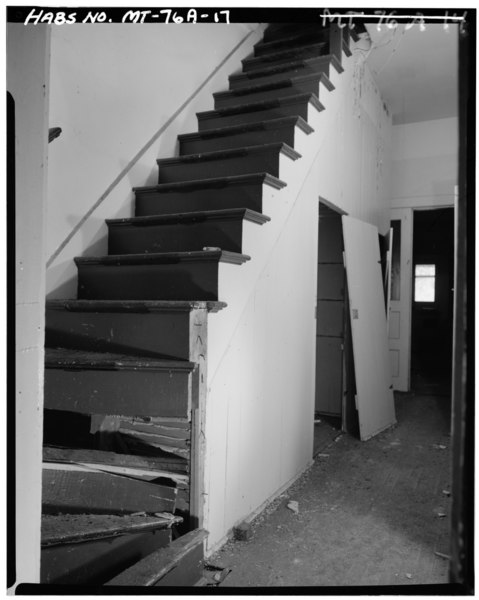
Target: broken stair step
(296, 68)
(292, 38)
(297, 105)
(180, 564)
(241, 191)
(123, 464)
(106, 384)
(282, 56)
(237, 161)
(94, 562)
(62, 529)
(168, 465)
(167, 329)
(182, 232)
(76, 489)
(274, 89)
(163, 276)
(249, 134)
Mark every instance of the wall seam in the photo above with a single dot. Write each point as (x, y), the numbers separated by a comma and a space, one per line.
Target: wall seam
(142, 151)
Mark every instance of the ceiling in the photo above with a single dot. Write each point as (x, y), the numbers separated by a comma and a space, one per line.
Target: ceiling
(416, 70)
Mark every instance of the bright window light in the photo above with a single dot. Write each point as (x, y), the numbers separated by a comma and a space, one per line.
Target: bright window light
(424, 283)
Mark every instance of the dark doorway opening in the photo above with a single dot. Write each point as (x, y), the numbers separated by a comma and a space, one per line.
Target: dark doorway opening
(432, 301)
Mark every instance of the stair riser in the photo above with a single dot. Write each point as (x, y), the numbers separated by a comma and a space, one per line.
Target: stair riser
(285, 110)
(140, 393)
(319, 66)
(83, 491)
(283, 92)
(221, 167)
(176, 237)
(276, 31)
(269, 60)
(215, 198)
(284, 134)
(182, 281)
(283, 43)
(140, 334)
(96, 562)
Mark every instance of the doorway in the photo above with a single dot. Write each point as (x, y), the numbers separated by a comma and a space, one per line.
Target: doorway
(432, 301)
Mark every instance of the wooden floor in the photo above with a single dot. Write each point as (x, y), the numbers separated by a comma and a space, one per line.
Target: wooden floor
(372, 513)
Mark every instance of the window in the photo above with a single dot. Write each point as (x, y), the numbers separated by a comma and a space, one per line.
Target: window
(424, 283)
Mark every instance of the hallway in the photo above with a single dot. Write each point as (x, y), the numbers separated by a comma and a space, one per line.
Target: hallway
(370, 513)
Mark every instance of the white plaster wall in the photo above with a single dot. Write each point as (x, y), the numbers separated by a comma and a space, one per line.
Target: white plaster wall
(113, 87)
(357, 151)
(27, 81)
(261, 348)
(425, 163)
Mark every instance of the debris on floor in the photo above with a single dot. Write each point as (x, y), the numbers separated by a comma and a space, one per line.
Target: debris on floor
(243, 532)
(214, 575)
(294, 506)
(367, 514)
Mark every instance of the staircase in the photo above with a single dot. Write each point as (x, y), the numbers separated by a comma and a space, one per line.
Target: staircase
(125, 370)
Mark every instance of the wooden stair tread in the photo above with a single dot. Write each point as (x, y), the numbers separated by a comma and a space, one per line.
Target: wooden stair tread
(284, 54)
(167, 462)
(214, 182)
(79, 489)
(150, 570)
(290, 38)
(66, 529)
(262, 105)
(232, 153)
(134, 306)
(66, 358)
(289, 66)
(248, 127)
(274, 85)
(192, 217)
(278, 30)
(164, 258)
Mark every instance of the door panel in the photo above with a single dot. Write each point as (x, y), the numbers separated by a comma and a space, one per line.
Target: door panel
(329, 374)
(375, 400)
(330, 315)
(400, 300)
(331, 281)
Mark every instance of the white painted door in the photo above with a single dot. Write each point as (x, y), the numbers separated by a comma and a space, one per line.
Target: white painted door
(387, 273)
(375, 400)
(399, 322)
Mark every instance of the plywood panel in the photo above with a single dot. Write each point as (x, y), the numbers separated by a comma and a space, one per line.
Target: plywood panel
(369, 330)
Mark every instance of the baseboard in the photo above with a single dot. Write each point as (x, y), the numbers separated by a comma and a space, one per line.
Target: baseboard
(252, 515)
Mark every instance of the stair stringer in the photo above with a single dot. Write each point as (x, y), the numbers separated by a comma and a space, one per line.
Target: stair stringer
(249, 393)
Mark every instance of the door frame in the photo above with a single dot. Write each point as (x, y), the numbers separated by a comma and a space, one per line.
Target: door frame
(406, 216)
(328, 210)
